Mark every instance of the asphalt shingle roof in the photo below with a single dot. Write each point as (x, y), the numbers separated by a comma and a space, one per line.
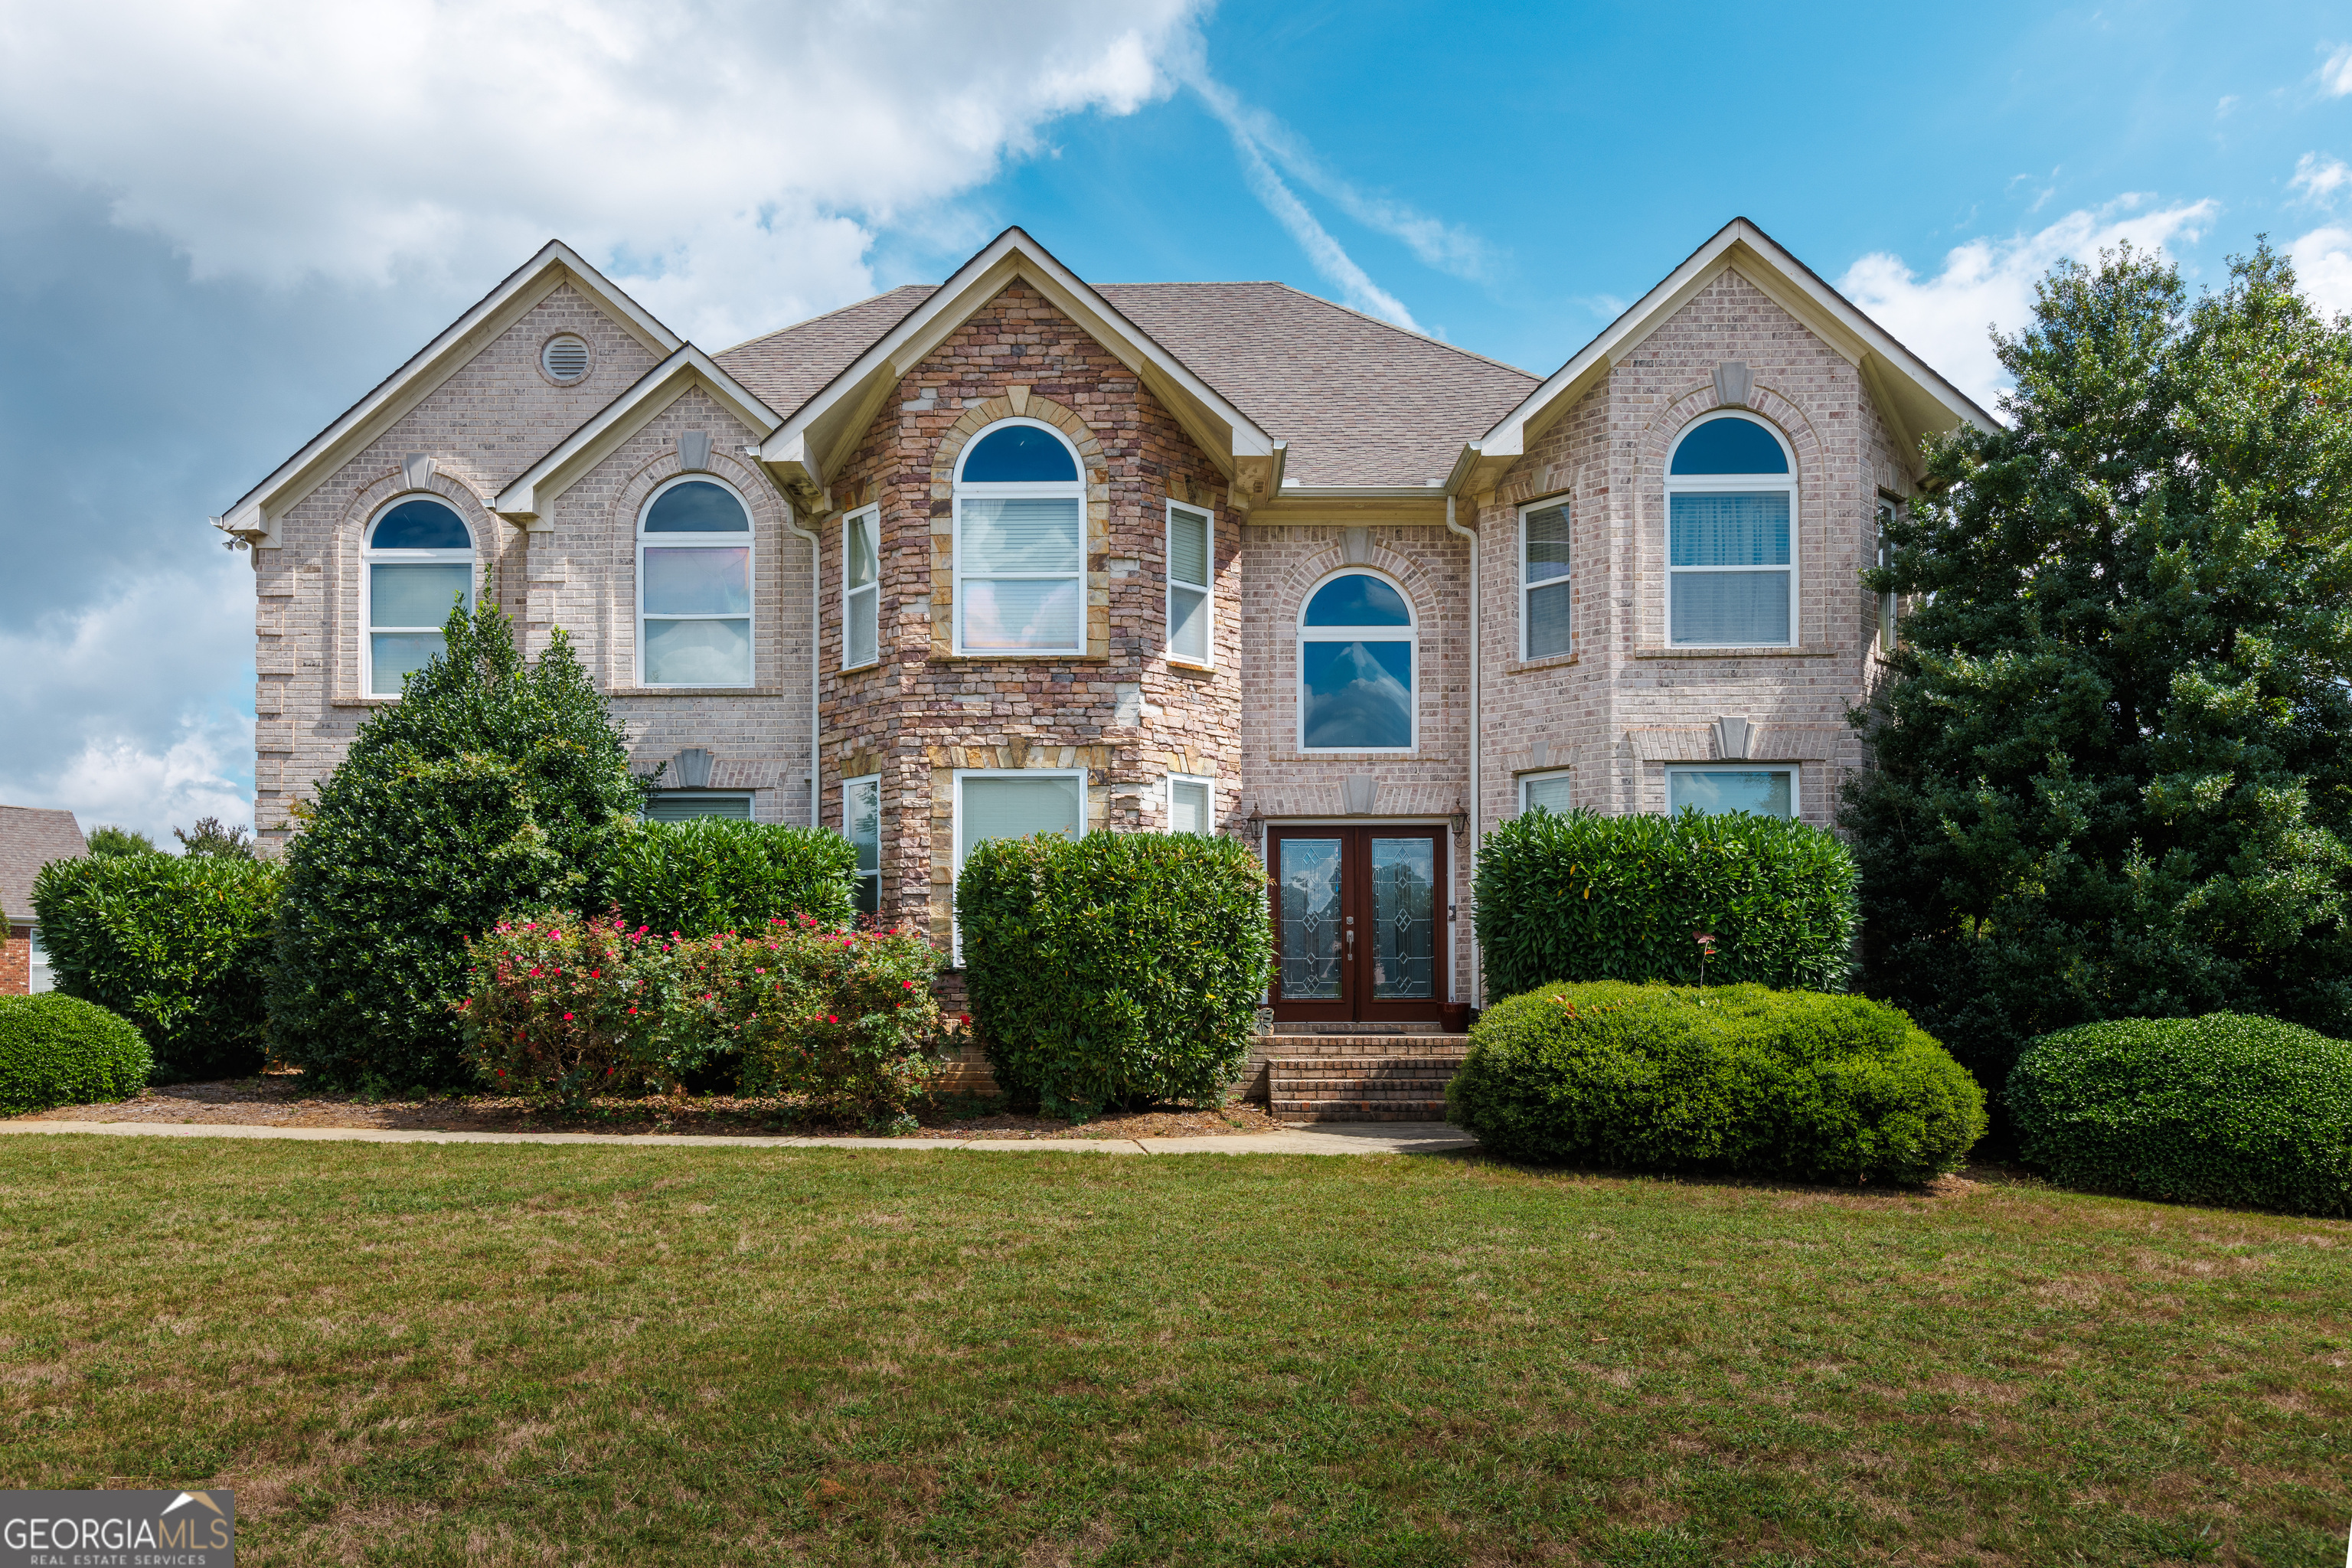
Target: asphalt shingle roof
(1360, 402)
(29, 839)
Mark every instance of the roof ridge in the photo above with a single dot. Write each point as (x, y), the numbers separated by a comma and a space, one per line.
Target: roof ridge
(826, 315)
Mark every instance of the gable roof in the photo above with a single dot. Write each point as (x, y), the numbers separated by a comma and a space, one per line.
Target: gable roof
(254, 517)
(789, 367)
(527, 496)
(30, 837)
(815, 437)
(1914, 397)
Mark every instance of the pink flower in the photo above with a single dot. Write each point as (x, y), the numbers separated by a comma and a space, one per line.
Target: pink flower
(831, 1019)
(567, 1017)
(905, 985)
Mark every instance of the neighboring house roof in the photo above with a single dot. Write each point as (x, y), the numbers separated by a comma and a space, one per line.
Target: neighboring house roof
(29, 839)
(789, 367)
(1359, 401)
(255, 516)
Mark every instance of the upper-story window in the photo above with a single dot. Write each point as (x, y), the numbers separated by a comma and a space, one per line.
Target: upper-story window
(1356, 641)
(1020, 542)
(1191, 546)
(861, 588)
(1886, 603)
(418, 566)
(693, 586)
(1543, 580)
(1731, 505)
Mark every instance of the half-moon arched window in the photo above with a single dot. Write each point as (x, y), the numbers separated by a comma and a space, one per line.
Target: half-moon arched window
(693, 586)
(1731, 509)
(1020, 542)
(417, 564)
(1356, 638)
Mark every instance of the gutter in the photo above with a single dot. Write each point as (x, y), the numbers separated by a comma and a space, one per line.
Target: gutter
(1477, 747)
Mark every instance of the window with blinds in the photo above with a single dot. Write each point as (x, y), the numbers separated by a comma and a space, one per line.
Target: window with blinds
(693, 586)
(1020, 542)
(418, 566)
(861, 588)
(1192, 543)
(1543, 581)
(1189, 808)
(861, 824)
(1886, 605)
(1731, 495)
(1548, 792)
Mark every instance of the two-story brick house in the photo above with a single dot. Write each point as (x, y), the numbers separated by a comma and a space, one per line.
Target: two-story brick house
(1022, 552)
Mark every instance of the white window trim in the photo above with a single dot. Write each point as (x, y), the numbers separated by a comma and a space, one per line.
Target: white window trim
(872, 591)
(1408, 634)
(1687, 483)
(1541, 774)
(1889, 611)
(1796, 771)
(1084, 806)
(748, 541)
(1208, 590)
(1526, 587)
(370, 556)
(1009, 491)
(1168, 801)
(863, 781)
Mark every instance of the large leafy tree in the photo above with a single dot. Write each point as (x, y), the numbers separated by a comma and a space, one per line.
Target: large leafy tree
(2113, 759)
(493, 784)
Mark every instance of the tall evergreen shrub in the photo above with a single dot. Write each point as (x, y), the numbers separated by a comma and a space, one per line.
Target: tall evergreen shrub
(1584, 896)
(1115, 967)
(711, 874)
(493, 784)
(178, 944)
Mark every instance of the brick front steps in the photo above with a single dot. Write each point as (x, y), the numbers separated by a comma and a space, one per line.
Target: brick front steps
(1358, 1076)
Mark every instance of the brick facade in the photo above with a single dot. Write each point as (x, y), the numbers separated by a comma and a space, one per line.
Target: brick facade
(15, 960)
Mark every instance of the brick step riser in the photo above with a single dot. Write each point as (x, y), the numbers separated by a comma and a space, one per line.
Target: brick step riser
(1389, 1086)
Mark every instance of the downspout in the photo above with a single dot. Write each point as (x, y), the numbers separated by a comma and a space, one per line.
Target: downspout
(816, 652)
(1478, 745)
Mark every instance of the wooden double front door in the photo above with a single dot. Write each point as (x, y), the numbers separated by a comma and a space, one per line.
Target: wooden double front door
(1359, 927)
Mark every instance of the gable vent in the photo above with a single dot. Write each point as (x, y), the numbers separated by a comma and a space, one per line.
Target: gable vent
(565, 357)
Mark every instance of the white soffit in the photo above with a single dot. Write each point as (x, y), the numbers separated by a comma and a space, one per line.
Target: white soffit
(1914, 397)
(254, 517)
(526, 499)
(810, 445)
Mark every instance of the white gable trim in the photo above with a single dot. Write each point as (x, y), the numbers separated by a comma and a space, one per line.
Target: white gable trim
(254, 518)
(1918, 400)
(528, 498)
(811, 445)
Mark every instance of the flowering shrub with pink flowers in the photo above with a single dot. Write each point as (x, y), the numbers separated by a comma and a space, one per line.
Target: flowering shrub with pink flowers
(566, 1008)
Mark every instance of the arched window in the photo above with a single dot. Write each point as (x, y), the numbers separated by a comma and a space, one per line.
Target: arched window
(1355, 667)
(694, 586)
(1731, 509)
(416, 565)
(1020, 542)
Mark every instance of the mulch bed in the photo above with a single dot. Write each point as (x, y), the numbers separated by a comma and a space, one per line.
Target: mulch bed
(278, 1098)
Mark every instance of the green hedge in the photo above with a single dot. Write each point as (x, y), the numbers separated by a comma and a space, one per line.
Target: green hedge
(2226, 1108)
(709, 874)
(1733, 1078)
(61, 1050)
(1587, 897)
(1115, 967)
(178, 944)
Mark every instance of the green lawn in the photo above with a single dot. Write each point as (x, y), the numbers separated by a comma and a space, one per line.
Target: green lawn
(467, 1354)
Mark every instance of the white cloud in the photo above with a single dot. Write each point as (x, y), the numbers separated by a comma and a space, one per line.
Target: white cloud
(1990, 283)
(2317, 177)
(732, 158)
(2323, 266)
(2335, 76)
(123, 785)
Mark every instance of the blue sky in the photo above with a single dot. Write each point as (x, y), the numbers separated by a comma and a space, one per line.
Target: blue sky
(220, 225)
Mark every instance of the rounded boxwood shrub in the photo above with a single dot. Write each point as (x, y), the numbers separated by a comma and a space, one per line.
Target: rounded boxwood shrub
(1588, 897)
(61, 1050)
(2226, 1108)
(1734, 1078)
(178, 944)
(1114, 967)
(711, 874)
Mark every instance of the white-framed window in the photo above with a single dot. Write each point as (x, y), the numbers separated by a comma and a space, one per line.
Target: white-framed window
(861, 588)
(1888, 607)
(1548, 790)
(1356, 645)
(1192, 804)
(1543, 580)
(1731, 515)
(1020, 579)
(694, 586)
(1015, 802)
(686, 805)
(1192, 572)
(39, 975)
(1728, 786)
(416, 565)
(861, 824)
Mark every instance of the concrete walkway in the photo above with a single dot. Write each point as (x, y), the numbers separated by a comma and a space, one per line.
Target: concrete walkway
(1330, 1138)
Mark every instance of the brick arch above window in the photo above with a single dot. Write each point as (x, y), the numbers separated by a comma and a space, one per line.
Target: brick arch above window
(1658, 436)
(1306, 574)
